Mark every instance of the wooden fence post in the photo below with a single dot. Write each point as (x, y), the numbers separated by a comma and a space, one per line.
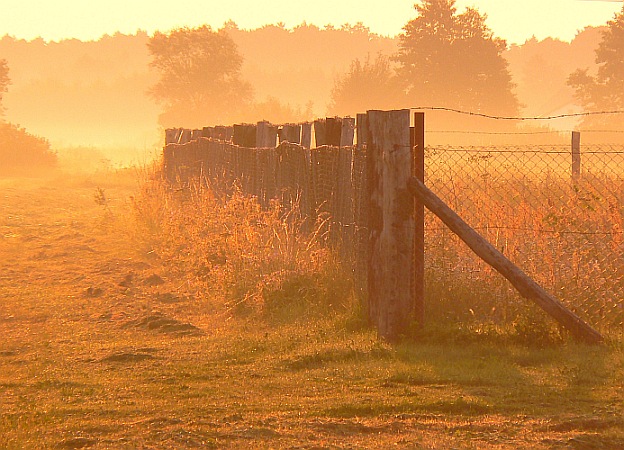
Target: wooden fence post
(347, 132)
(320, 135)
(266, 135)
(391, 258)
(361, 129)
(576, 155)
(333, 131)
(244, 135)
(185, 137)
(418, 171)
(306, 135)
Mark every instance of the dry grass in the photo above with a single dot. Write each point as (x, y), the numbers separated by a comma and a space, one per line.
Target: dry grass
(567, 235)
(217, 325)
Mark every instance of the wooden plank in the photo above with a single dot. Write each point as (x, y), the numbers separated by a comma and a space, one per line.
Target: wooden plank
(220, 133)
(170, 136)
(208, 132)
(320, 135)
(391, 299)
(522, 282)
(266, 135)
(347, 132)
(306, 135)
(244, 135)
(418, 171)
(185, 136)
(333, 131)
(361, 130)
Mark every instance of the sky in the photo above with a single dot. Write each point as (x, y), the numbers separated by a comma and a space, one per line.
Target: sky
(513, 20)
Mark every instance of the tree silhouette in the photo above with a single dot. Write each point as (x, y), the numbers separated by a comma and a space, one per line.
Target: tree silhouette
(454, 60)
(4, 82)
(200, 81)
(605, 89)
(367, 85)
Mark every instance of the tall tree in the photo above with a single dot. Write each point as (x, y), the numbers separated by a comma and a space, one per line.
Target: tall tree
(605, 89)
(200, 81)
(454, 60)
(4, 82)
(368, 85)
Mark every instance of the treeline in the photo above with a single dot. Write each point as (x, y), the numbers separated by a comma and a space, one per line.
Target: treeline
(95, 93)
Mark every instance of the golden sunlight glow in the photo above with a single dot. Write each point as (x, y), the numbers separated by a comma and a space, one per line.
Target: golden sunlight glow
(513, 20)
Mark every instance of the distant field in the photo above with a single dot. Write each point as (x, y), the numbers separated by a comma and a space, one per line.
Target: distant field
(118, 333)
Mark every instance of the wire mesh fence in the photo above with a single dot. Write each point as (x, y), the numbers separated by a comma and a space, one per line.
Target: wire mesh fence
(561, 227)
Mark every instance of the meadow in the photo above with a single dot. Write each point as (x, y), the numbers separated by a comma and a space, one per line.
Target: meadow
(137, 316)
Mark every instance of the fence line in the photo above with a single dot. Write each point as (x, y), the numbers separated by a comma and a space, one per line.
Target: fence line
(557, 211)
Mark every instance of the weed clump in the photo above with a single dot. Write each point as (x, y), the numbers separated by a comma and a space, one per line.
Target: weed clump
(249, 260)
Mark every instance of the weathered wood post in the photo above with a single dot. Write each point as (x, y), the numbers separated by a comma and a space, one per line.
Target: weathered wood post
(361, 129)
(185, 137)
(391, 258)
(347, 132)
(576, 155)
(418, 171)
(266, 135)
(306, 135)
(320, 132)
(170, 136)
(333, 131)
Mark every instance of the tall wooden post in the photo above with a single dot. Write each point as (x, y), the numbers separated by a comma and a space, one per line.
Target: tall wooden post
(320, 135)
(347, 132)
(306, 135)
(576, 155)
(361, 129)
(391, 258)
(333, 131)
(418, 171)
(266, 135)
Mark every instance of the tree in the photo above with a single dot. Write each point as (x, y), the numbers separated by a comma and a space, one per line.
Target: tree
(4, 82)
(605, 89)
(367, 85)
(200, 81)
(454, 60)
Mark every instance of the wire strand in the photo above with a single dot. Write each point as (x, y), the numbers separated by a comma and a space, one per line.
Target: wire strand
(488, 116)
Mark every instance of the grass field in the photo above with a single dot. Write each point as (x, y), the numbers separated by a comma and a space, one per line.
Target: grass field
(110, 340)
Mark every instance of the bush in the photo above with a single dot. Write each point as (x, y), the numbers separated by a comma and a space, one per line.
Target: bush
(22, 150)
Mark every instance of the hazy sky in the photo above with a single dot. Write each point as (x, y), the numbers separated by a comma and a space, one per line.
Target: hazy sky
(514, 20)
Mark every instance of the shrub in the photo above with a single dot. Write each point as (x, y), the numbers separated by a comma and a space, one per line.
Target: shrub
(22, 150)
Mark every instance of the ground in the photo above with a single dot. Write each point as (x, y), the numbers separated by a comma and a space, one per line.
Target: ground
(103, 347)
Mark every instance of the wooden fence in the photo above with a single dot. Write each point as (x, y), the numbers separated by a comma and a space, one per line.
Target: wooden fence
(367, 176)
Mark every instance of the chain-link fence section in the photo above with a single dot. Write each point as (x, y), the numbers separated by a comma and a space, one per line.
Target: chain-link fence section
(561, 227)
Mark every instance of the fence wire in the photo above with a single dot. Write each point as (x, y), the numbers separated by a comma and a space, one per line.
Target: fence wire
(561, 227)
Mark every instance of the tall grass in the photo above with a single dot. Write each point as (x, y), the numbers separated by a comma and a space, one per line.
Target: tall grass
(566, 234)
(238, 257)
